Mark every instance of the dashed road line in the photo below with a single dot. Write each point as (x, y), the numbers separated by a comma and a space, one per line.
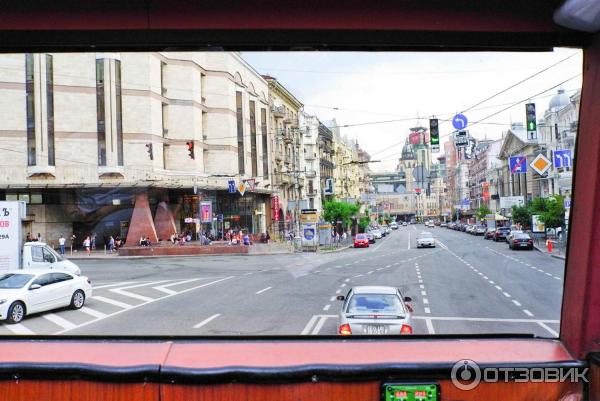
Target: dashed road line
(326, 307)
(207, 320)
(525, 311)
(550, 330)
(263, 290)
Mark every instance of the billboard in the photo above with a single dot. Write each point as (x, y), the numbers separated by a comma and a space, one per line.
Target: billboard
(10, 235)
(507, 202)
(206, 212)
(537, 226)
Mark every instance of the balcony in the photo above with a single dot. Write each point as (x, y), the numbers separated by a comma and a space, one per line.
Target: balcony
(311, 192)
(292, 121)
(278, 111)
(311, 174)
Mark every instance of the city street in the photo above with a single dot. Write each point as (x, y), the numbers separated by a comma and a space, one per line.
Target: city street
(465, 285)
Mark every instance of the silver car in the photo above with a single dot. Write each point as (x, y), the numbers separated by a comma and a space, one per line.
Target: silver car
(375, 310)
(377, 234)
(425, 239)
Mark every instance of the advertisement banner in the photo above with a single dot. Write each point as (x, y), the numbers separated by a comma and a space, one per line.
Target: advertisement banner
(10, 235)
(507, 202)
(537, 226)
(275, 207)
(309, 234)
(205, 212)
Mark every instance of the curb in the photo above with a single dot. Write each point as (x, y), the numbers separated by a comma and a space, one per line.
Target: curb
(177, 256)
(549, 254)
(336, 250)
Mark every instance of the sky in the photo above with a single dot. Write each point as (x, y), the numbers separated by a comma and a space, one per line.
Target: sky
(365, 90)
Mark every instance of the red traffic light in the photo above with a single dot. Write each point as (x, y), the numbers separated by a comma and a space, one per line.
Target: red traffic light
(190, 146)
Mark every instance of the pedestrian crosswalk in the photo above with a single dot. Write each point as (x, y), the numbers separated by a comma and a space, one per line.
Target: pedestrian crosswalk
(108, 299)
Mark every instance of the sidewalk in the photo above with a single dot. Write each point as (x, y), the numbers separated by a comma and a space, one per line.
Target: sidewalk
(556, 253)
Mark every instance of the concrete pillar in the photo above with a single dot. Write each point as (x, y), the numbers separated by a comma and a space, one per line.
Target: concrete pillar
(164, 222)
(141, 224)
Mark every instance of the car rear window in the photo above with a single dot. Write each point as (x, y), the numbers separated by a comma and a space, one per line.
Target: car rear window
(375, 303)
(361, 236)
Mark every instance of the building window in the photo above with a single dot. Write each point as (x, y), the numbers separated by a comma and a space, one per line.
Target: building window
(164, 120)
(119, 112)
(240, 131)
(253, 138)
(50, 108)
(311, 203)
(165, 151)
(30, 102)
(100, 112)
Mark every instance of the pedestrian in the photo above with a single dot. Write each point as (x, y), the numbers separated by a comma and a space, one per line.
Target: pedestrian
(93, 241)
(246, 239)
(73, 241)
(39, 237)
(28, 237)
(87, 245)
(61, 242)
(111, 244)
(268, 237)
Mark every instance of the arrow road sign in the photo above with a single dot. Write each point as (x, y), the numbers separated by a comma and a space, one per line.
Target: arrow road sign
(562, 158)
(540, 164)
(518, 164)
(231, 186)
(459, 121)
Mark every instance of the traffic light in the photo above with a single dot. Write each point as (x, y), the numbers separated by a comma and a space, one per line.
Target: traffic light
(434, 132)
(530, 117)
(149, 150)
(190, 146)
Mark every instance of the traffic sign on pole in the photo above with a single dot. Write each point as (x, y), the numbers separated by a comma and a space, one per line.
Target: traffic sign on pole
(540, 164)
(459, 121)
(518, 164)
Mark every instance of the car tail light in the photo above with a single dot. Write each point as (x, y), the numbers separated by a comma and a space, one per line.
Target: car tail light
(345, 330)
(406, 329)
(530, 242)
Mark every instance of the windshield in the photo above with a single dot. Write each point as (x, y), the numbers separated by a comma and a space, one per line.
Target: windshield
(14, 281)
(384, 304)
(221, 193)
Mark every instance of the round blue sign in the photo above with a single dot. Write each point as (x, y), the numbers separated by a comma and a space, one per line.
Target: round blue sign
(309, 233)
(459, 121)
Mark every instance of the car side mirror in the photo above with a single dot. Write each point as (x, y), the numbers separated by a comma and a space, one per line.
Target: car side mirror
(407, 299)
(340, 298)
(35, 286)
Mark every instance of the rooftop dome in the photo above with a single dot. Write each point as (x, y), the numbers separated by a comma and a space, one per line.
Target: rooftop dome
(560, 100)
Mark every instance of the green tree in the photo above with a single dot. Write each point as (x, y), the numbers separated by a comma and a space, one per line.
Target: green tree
(334, 211)
(538, 205)
(521, 215)
(483, 211)
(554, 214)
(363, 223)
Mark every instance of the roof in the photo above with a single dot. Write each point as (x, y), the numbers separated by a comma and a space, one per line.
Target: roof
(374, 289)
(36, 271)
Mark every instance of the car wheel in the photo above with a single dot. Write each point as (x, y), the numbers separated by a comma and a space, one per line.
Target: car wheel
(78, 299)
(16, 312)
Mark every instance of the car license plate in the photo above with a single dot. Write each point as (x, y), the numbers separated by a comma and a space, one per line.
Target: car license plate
(523, 244)
(375, 329)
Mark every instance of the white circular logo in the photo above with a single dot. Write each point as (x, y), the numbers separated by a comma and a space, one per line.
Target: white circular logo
(466, 374)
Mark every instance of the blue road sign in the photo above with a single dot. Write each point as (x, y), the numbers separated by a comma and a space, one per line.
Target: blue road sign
(231, 186)
(459, 121)
(466, 202)
(567, 203)
(563, 158)
(518, 164)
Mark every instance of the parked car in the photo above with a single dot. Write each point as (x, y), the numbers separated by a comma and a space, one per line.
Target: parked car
(404, 223)
(361, 241)
(443, 224)
(429, 224)
(479, 230)
(489, 233)
(370, 237)
(468, 228)
(520, 241)
(394, 225)
(512, 233)
(463, 227)
(501, 233)
(27, 291)
(377, 234)
(375, 310)
(425, 239)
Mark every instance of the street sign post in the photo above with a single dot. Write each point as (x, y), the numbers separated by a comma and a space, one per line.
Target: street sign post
(562, 158)
(231, 186)
(461, 138)
(459, 121)
(518, 164)
(540, 164)
(507, 202)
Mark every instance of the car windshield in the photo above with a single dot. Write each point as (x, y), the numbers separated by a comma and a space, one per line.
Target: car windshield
(364, 304)
(221, 192)
(14, 281)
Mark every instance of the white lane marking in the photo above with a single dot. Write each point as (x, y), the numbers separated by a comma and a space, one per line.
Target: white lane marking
(514, 301)
(338, 291)
(427, 310)
(429, 324)
(343, 285)
(550, 330)
(379, 268)
(97, 287)
(319, 325)
(347, 280)
(389, 266)
(18, 329)
(525, 311)
(358, 275)
(491, 282)
(498, 287)
(370, 272)
(557, 278)
(326, 307)
(482, 319)
(485, 277)
(121, 290)
(331, 299)
(424, 293)
(309, 325)
(420, 281)
(263, 290)
(347, 264)
(130, 307)
(112, 302)
(425, 301)
(207, 320)
(422, 286)
(92, 312)
(506, 294)
(163, 288)
(59, 321)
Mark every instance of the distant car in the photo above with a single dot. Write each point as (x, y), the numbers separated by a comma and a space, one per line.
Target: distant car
(479, 230)
(375, 310)
(370, 237)
(429, 224)
(404, 223)
(462, 227)
(443, 224)
(377, 234)
(394, 225)
(489, 233)
(468, 228)
(512, 233)
(520, 241)
(501, 233)
(27, 291)
(361, 241)
(437, 223)
(425, 239)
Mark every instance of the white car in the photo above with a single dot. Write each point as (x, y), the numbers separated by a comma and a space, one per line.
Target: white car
(425, 239)
(377, 234)
(23, 292)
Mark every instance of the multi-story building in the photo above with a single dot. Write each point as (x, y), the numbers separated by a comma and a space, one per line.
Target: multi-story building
(91, 141)
(287, 155)
(326, 166)
(364, 171)
(346, 170)
(312, 167)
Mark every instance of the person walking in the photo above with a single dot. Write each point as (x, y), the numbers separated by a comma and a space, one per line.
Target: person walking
(111, 244)
(73, 242)
(87, 243)
(61, 242)
(39, 238)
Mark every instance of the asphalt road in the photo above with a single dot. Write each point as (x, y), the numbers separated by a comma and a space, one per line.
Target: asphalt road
(466, 285)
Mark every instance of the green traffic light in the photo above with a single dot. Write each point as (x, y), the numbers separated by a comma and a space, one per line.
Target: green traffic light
(531, 126)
